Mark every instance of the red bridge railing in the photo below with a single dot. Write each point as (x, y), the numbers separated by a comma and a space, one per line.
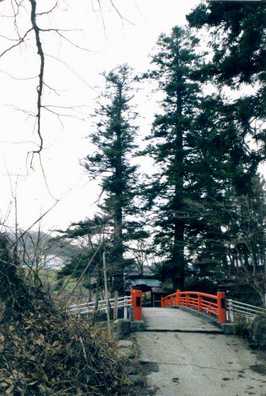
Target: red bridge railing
(212, 304)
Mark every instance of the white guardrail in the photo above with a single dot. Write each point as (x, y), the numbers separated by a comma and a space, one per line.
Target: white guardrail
(236, 309)
(90, 307)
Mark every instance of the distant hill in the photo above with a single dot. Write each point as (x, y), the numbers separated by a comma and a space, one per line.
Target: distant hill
(44, 244)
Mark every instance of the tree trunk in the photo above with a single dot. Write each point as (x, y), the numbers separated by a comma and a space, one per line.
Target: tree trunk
(178, 262)
(118, 284)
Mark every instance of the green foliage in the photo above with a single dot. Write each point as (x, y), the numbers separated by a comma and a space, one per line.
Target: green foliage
(199, 143)
(238, 38)
(242, 326)
(204, 202)
(170, 145)
(112, 164)
(238, 56)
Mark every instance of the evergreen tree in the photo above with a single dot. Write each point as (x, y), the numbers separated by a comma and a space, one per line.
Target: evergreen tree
(224, 166)
(238, 38)
(237, 43)
(111, 163)
(237, 32)
(199, 144)
(174, 65)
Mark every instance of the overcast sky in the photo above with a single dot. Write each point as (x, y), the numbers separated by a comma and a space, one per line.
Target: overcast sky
(106, 41)
(97, 40)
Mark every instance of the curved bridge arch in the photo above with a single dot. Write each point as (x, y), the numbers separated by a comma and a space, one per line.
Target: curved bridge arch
(212, 304)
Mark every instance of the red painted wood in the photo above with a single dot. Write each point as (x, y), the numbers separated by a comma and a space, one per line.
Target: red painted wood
(209, 303)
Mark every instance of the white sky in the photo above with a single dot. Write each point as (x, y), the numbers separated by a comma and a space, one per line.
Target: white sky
(75, 74)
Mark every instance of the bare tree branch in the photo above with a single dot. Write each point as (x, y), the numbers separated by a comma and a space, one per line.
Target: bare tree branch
(38, 220)
(102, 18)
(48, 11)
(17, 78)
(41, 72)
(119, 13)
(20, 41)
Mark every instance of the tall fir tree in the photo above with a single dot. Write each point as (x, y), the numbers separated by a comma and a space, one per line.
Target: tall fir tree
(224, 166)
(174, 65)
(111, 163)
(238, 60)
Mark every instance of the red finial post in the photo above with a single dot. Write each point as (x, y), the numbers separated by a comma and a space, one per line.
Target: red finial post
(221, 313)
(136, 304)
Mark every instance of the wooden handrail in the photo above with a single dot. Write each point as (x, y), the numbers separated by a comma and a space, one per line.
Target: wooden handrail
(212, 304)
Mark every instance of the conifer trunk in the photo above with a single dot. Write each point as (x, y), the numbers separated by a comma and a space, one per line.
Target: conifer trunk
(118, 284)
(178, 259)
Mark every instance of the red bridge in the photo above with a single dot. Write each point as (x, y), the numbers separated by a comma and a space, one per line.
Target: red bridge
(211, 304)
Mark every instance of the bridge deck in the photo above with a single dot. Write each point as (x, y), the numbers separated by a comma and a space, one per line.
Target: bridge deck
(176, 319)
(193, 364)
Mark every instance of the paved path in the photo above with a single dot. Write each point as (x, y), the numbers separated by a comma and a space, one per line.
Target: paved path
(176, 319)
(196, 364)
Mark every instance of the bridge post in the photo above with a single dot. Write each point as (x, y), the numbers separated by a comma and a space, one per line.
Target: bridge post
(199, 302)
(221, 313)
(136, 304)
(177, 297)
(186, 300)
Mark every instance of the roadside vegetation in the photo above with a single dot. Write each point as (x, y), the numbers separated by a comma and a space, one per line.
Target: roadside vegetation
(197, 218)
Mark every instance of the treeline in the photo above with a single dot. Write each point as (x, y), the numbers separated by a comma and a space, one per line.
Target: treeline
(202, 207)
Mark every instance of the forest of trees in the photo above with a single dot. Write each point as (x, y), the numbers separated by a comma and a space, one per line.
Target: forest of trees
(200, 211)
(202, 208)
(196, 217)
